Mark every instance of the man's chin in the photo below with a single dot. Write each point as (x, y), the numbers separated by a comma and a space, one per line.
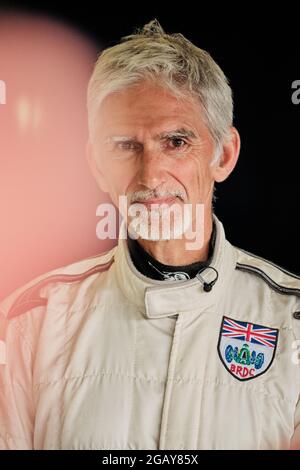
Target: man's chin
(156, 233)
(161, 222)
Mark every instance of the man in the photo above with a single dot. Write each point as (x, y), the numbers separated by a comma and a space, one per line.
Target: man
(175, 339)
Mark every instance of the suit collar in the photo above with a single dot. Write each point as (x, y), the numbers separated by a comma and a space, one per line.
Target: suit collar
(157, 299)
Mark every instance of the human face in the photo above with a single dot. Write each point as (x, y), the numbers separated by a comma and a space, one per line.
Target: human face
(154, 148)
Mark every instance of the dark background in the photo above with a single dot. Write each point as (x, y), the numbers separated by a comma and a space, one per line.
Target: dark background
(260, 54)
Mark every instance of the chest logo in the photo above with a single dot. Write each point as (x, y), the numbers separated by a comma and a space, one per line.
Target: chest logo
(247, 350)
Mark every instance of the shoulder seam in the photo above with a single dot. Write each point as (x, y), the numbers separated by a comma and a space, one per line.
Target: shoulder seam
(285, 271)
(25, 299)
(268, 280)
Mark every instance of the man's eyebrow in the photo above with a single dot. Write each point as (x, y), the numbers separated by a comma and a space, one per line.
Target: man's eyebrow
(117, 138)
(182, 132)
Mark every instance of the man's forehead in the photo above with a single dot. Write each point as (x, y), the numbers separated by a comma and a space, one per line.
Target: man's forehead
(153, 120)
(153, 125)
(126, 108)
(146, 92)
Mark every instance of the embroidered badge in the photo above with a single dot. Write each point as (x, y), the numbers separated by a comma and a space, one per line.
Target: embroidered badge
(247, 350)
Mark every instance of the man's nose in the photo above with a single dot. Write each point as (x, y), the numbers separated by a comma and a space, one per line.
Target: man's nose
(151, 172)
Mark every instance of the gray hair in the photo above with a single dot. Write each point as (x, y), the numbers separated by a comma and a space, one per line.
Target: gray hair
(173, 62)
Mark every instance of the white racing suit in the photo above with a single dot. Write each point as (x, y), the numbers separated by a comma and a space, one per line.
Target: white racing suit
(95, 355)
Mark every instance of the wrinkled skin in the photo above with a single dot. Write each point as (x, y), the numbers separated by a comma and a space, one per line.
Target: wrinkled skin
(135, 148)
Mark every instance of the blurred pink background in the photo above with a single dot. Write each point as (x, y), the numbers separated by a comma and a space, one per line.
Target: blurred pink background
(48, 197)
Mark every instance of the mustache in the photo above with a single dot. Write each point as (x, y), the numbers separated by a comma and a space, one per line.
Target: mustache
(149, 194)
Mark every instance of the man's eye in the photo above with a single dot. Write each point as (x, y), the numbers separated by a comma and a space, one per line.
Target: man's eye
(177, 142)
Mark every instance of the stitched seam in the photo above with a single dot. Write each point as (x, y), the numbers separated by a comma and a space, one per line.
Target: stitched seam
(132, 380)
(23, 337)
(285, 271)
(86, 307)
(191, 380)
(170, 381)
(22, 298)
(103, 374)
(40, 302)
(269, 281)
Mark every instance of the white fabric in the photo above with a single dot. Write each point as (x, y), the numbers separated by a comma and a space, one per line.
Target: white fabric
(120, 361)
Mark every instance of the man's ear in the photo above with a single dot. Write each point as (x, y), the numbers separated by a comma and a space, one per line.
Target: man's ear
(96, 172)
(228, 158)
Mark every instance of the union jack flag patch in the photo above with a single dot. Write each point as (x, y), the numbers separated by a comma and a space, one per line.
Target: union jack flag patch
(247, 350)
